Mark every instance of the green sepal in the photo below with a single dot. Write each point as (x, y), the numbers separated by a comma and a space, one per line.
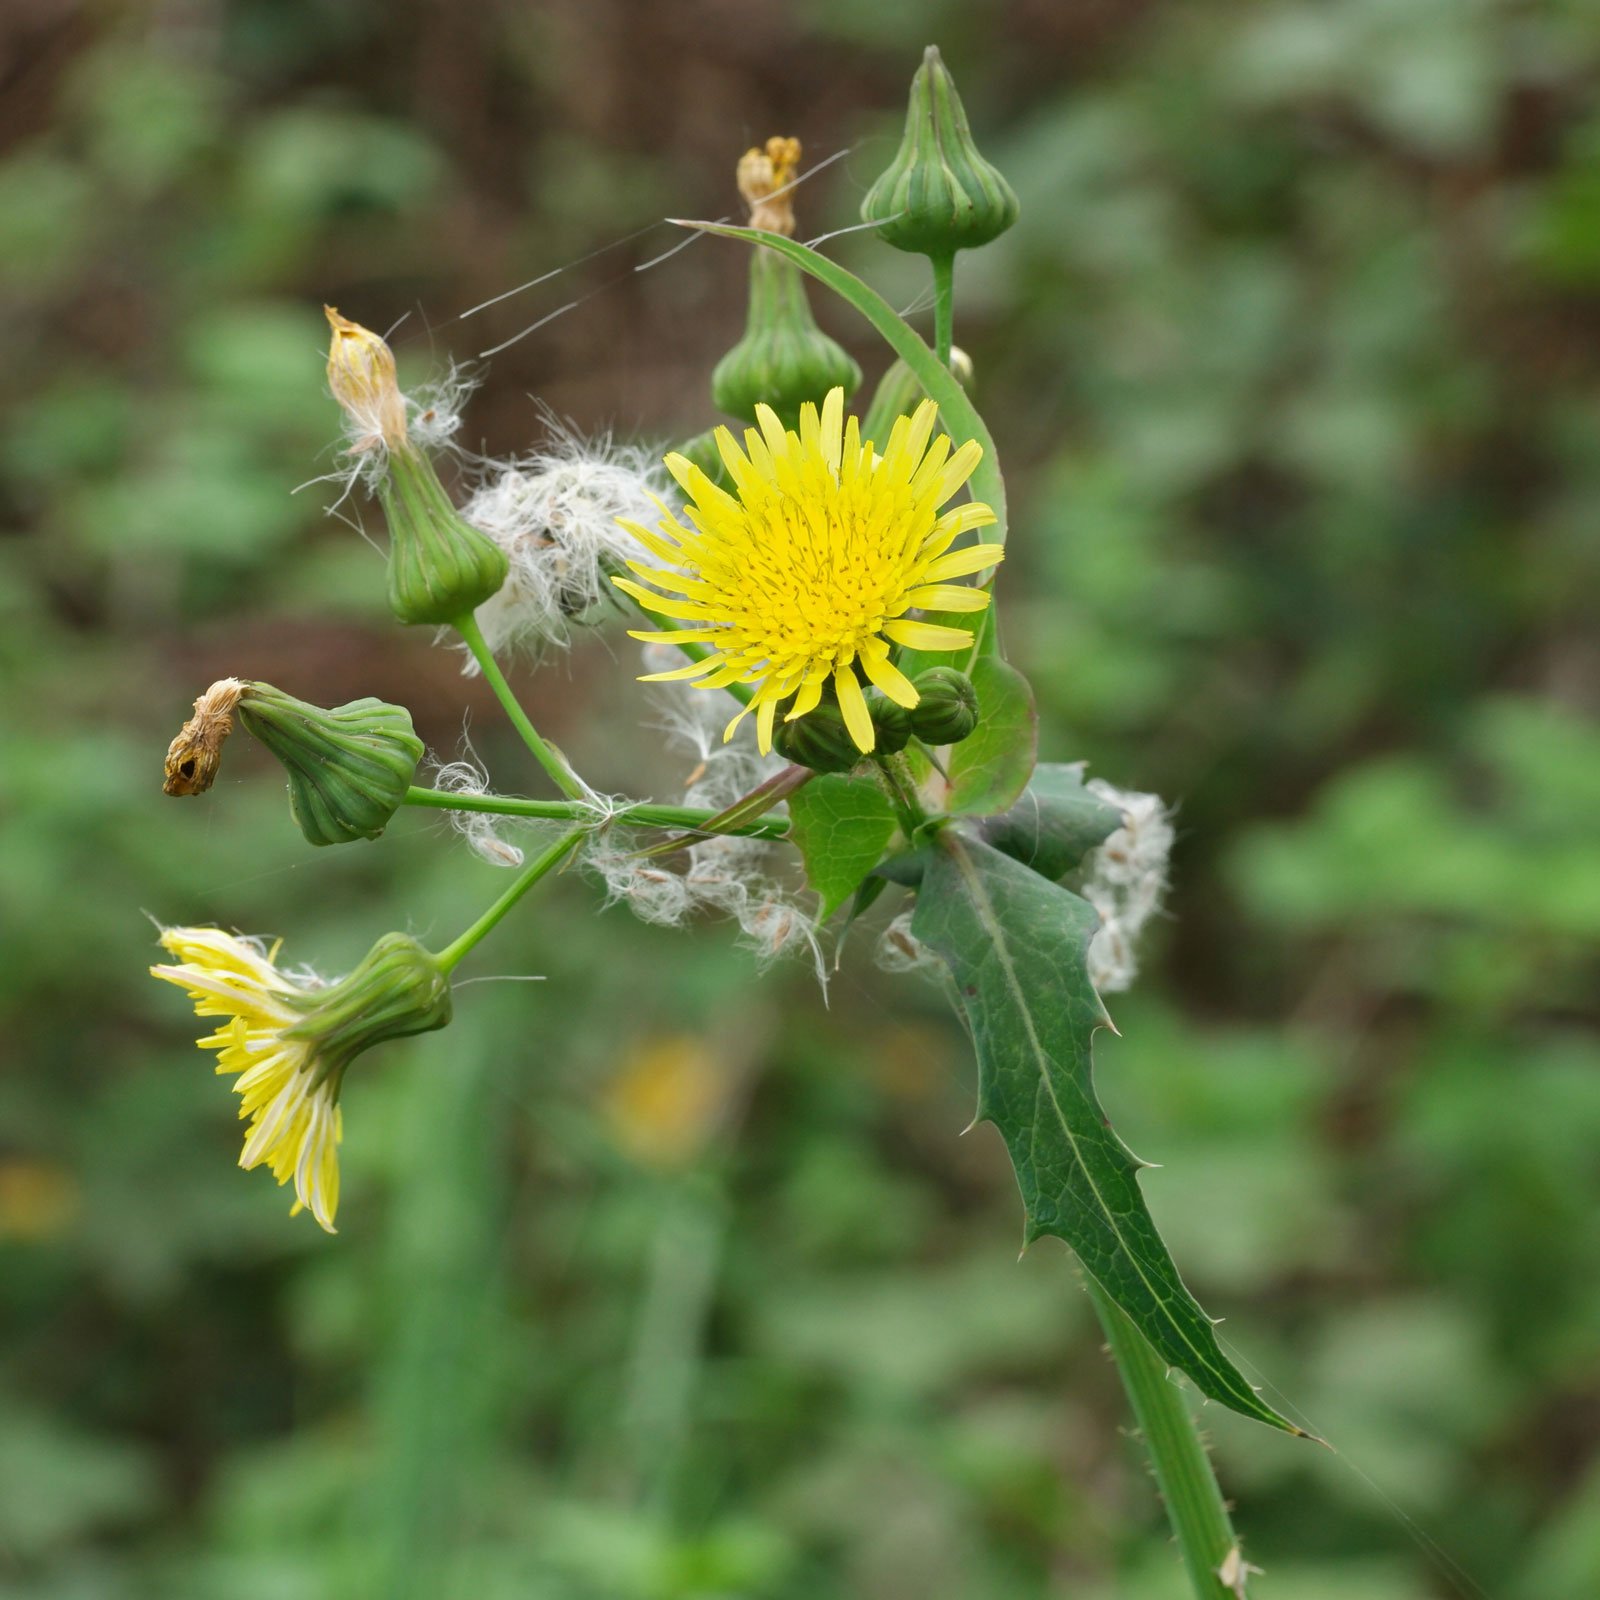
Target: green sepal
(891, 723)
(1015, 946)
(819, 740)
(1055, 824)
(349, 767)
(990, 769)
(398, 989)
(938, 195)
(946, 711)
(441, 568)
(784, 358)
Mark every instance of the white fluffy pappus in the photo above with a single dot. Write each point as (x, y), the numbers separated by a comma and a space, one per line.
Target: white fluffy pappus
(722, 874)
(554, 513)
(1125, 880)
(481, 829)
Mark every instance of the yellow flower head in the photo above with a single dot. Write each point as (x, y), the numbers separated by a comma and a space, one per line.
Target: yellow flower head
(288, 1039)
(812, 571)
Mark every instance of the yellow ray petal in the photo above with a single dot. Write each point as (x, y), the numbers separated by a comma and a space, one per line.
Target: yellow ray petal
(971, 558)
(927, 635)
(948, 597)
(854, 706)
(888, 677)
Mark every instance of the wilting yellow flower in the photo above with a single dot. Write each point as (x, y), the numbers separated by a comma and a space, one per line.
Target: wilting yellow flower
(288, 1039)
(361, 374)
(812, 570)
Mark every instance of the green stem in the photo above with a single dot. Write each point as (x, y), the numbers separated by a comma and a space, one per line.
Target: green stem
(548, 758)
(641, 814)
(452, 953)
(1195, 1506)
(902, 791)
(944, 274)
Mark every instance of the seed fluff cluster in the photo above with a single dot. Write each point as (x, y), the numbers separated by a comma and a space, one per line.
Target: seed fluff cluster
(731, 876)
(560, 517)
(812, 570)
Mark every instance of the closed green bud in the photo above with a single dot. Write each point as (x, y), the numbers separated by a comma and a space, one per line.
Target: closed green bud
(398, 989)
(938, 194)
(349, 768)
(784, 358)
(891, 723)
(948, 708)
(441, 568)
(818, 740)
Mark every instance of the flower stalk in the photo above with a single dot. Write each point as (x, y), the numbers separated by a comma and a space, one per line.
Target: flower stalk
(450, 957)
(1195, 1507)
(644, 814)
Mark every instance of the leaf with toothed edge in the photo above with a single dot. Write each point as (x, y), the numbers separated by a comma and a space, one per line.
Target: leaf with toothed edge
(1015, 946)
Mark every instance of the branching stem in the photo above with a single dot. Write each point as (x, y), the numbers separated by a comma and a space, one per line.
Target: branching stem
(643, 814)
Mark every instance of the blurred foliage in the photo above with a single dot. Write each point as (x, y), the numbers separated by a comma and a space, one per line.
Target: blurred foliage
(658, 1281)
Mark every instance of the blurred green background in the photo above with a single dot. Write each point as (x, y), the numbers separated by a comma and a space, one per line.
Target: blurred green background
(656, 1280)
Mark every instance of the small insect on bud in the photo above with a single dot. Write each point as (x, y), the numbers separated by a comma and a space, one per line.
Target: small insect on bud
(194, 756)
(819, 740)
(948, 708)
(349, 767)
(938, 195)
(784, 358)
(362, 376)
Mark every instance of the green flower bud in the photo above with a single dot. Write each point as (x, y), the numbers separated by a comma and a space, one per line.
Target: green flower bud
(818, 740)
(891, 723)
(441, 568)
(784, 358)
(948, 709)
(398, 989)
(349, 768)
(938, 194)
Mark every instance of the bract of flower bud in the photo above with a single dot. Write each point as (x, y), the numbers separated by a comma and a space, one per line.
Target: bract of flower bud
(938, 195)
(398, 989)
(784, 358)
(361, 374)
(348, 767)
(891, 723)
(441, 568)
(947, 710)
(819, 740)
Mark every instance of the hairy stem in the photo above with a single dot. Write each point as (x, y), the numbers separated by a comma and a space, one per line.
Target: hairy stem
(551, 760)
(1194, 1502)
(639, 814)
(525, 880)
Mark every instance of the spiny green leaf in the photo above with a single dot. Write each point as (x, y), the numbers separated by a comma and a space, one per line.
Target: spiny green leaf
(1055, 824)
(1015, 946)
(989, 771)
(842, 825)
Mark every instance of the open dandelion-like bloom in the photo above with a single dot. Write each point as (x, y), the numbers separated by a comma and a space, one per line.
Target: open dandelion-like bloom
(810, 573)
(288, 1039)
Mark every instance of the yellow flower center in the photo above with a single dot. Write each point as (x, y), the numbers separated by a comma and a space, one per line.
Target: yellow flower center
(815, 566)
